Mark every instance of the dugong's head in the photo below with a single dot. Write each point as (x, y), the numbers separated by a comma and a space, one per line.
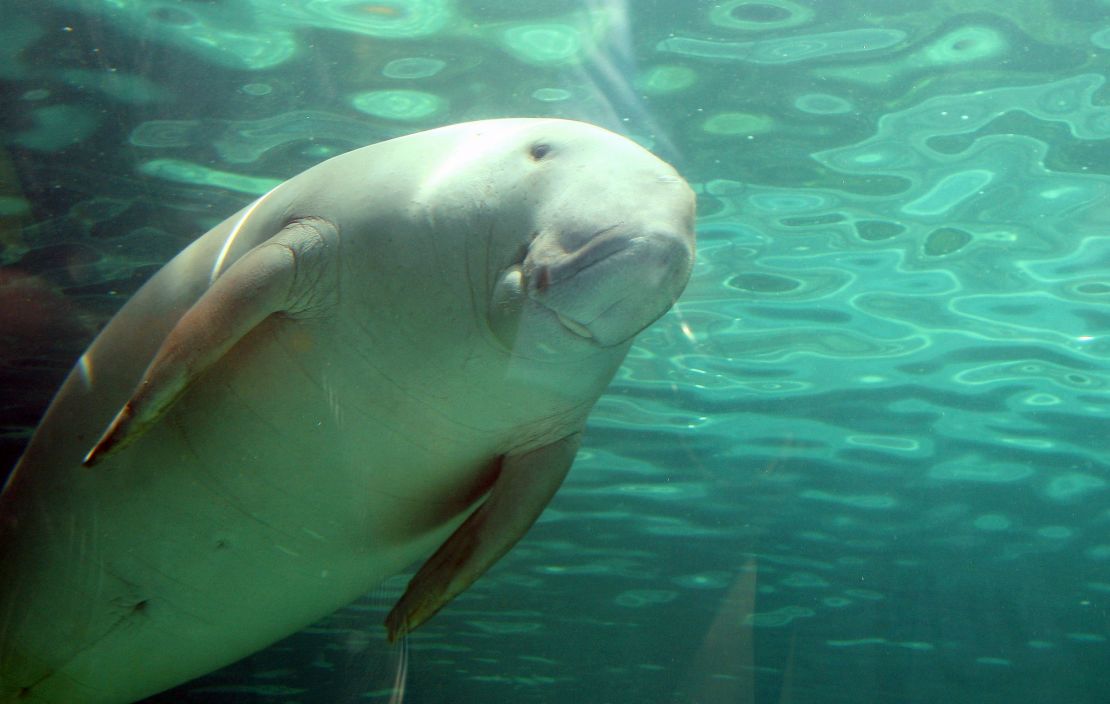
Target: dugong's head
(584, 238)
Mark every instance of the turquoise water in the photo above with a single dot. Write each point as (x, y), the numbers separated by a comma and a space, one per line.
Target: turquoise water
(864, 459)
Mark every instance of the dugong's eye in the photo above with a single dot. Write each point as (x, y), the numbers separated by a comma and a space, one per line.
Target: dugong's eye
(539, 151)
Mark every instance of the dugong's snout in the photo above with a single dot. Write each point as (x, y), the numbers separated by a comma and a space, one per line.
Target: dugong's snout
(606, 247)
(615, 283)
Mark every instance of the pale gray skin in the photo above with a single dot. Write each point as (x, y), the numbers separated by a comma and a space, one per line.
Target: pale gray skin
(317, 393)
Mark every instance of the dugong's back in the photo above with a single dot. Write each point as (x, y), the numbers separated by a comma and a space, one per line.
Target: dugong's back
(318, 391)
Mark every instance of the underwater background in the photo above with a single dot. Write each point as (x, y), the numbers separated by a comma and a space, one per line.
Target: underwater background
(866, 458)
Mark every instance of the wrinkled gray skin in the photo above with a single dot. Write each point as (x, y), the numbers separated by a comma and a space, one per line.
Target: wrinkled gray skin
(390, 353)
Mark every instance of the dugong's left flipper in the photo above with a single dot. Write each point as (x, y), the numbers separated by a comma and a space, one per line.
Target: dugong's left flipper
(277, 276)
(523, 488)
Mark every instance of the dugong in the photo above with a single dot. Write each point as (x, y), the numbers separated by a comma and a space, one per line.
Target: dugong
(387, 356)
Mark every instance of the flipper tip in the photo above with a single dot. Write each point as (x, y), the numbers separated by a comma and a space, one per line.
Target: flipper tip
(395, 627)
(101, 450)
(404, 618)
(113, 439)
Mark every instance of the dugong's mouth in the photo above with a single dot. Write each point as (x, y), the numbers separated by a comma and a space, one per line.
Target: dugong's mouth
(513, 311)
(610, 284)
(565, 283)
(599, 287)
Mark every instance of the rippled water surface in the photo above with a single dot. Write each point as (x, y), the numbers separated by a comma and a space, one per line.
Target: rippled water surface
(865, 459)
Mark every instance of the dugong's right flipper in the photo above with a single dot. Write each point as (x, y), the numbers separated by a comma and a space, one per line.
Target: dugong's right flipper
(523, 488)
(277, 276)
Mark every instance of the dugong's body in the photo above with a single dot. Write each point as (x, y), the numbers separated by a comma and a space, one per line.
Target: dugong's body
(392, 352)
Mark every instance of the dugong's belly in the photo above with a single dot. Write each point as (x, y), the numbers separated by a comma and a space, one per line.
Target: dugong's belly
(261, 503)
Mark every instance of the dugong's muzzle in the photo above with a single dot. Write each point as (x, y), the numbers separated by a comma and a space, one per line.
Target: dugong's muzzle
(610, 284)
